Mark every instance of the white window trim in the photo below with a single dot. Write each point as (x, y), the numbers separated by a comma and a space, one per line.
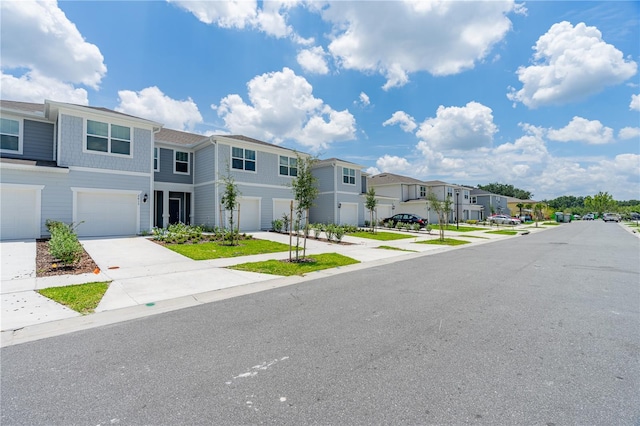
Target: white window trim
(244, 159)
(175, 172)
(288, 166)
(156, 168)
(20, 135)
(108, 153)
(354, 176)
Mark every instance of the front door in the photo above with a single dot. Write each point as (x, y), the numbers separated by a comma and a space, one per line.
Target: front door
(174, 210)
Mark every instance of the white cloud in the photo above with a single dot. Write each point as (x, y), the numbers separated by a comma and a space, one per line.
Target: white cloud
(282, 107)
(582, 130)
(372, 171)
(45, 48)
(462, 128)
(154, 105)
(570, 64)
(635, 103)
(364, 99)
(313, 60)
(404, 120)
(629, 133)
(392, 164)
(33, 87)
(269, 17)
(442, 38)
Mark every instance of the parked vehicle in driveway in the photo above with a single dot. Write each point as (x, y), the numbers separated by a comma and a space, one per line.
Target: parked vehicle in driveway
(503, 219)
(406, 218)
(588, 216)
(611, 217)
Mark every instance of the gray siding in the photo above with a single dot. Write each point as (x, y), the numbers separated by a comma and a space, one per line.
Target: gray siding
(266, 195)
(204, 161)
(343, 187)
(206, 208)
(72, 142)
(325, 176)
(166, 173)
(37, 141)
(267, 168)
(324, 210)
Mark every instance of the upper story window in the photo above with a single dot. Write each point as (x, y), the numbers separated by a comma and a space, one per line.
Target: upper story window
(348, 176)
(243, 159)
(156, 159)
(181, 162)
(449, 191)
(10, 139)
(288, 166)
(466, 194)
(474, 200)
(109, 138)
(423, 191)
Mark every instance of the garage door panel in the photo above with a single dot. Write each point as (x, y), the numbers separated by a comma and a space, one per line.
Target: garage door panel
(348, 214)
(19, 214)
(249, 215)
(106, 214)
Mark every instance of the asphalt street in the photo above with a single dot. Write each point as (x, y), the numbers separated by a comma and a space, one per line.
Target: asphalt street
(542, 329)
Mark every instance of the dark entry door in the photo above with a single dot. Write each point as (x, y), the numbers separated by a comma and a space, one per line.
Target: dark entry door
(174, 210)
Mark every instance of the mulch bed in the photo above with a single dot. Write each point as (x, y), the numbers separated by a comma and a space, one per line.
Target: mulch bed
(47, 265)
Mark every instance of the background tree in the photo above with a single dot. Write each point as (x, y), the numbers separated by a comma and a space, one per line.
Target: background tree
(305, 191)
(442, 209)
(371, 202)
(600, 203)
(229, 202)
(506, 190)
(520, 206)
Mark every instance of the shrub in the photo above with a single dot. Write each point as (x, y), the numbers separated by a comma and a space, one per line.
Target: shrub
(317, 228)
(64, 244)
(276, 224)
(472, 222)
(339, 233)
(330, 230)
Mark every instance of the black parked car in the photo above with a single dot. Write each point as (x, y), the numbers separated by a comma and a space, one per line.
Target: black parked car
(406, 218)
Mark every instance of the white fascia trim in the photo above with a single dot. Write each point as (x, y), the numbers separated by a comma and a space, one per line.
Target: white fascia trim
(173, 187)
(106, 190)
(27, 167)
(113, 116)
(108, 171)
(274, 149)
(21, 186)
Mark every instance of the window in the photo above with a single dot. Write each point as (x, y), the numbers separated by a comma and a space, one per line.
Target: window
(181, 162)
(288, 166)
(103, 137)
(423, 191)
(10, 136)
(474, 200)
(243, 159)
(349, 176)
(449, 191)
(466, 195)
(156, 159)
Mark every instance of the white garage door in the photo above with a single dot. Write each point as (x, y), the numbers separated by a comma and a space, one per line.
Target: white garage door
(348, 214)
(384, 211)
(249, 214)
(19, 212)
(281, 207)
(106, 214)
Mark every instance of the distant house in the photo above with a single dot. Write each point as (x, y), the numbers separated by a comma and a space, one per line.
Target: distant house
(490, 203)
(409, 195)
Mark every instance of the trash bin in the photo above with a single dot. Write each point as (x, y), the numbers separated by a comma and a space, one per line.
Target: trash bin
(559, 217)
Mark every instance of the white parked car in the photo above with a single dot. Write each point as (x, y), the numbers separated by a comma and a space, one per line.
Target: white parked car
(503, 219)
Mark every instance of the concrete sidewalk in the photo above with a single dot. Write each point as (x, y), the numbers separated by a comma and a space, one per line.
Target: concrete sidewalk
(147, 278)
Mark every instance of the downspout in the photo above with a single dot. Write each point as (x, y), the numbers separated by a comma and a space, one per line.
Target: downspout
(152, 192)
(215, 180)
(335, 194)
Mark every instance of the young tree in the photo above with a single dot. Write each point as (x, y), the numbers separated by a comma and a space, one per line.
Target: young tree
(305, 191)
(229, 201)
(442, 209)
(520, 206)
(370, 203)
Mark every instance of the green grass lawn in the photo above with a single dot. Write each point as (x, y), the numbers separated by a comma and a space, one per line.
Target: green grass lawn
(214, 250)
(460, 228)
(502, 232)
(445, 242)
(395, 248)
(285, 268)
(83, 298)
(380, 236)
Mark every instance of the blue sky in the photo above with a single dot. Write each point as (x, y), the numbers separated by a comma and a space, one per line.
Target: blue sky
(541, 95)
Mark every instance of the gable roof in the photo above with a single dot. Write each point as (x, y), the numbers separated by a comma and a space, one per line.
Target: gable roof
(390, 178)
(178, 137)
(25, 107)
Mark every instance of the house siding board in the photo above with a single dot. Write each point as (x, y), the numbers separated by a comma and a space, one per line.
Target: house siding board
(323, 210)
(37, 141)
(206, 208)
(166, 173)
(266, 195)
(204, 164)
(325, 177)
(267, 167)
(72, 143)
